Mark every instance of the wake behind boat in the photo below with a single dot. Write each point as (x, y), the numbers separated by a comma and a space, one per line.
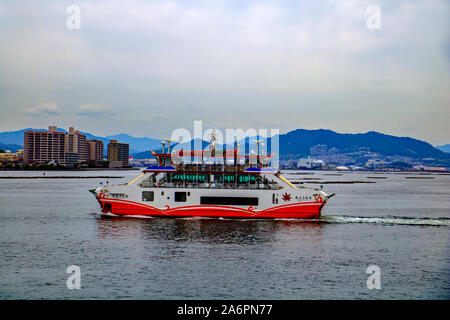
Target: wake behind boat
(222, 183)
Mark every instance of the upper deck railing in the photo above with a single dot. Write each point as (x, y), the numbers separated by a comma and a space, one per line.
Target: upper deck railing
(239, 162)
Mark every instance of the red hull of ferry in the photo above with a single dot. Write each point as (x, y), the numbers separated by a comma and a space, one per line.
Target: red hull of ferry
(306, 210)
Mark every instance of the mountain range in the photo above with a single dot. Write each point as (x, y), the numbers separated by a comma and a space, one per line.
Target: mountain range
(445, 148)
(294, 144)
(298, 142)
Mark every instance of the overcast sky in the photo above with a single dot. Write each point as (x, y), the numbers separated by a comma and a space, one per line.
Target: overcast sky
(148, 67)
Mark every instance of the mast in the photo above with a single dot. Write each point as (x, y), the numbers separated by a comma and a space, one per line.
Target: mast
(168, 145)
(212, 146)
(258, 161)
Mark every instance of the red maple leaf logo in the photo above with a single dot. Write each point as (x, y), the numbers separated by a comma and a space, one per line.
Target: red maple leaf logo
(286, 197)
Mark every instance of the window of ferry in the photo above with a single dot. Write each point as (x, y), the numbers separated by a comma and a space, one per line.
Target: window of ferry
(148, 196)
(180, 196)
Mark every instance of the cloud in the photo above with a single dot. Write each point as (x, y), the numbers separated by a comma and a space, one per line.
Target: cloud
(44, 109)
(94, 110)
(311, 64)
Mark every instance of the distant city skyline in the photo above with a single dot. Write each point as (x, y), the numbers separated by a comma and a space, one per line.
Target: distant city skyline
(145, 68)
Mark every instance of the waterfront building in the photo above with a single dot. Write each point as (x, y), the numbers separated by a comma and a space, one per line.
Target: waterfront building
(76, 144)
(44, 146)
(95, 149)
(55, 146)
(118, 154)
(70, 159)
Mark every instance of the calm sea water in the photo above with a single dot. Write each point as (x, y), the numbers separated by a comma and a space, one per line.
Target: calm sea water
(401, 225)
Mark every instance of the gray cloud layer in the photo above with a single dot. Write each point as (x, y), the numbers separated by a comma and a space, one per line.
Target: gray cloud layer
(148, 67)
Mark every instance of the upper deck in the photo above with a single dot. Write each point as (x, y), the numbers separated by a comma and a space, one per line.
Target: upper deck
(212, 161)
(211, 169)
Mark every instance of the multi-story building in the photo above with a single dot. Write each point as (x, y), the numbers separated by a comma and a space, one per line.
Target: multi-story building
(75, 144)
(118, 153)
(52, 145)
(95, 149)
(70, 148)
(44, 146)
(70, 159)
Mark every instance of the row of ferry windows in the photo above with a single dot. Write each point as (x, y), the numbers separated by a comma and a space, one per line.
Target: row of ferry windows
(205, 178)
(209, 181)
(150, 196)
(179, 196)
(206, 200)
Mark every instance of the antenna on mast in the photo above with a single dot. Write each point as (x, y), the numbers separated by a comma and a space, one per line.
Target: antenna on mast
(213, 138)
(168, 144)
(258, 142)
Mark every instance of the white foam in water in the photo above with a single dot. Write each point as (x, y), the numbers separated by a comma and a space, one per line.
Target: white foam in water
(389, 220)
(331, 219)
(109, 214)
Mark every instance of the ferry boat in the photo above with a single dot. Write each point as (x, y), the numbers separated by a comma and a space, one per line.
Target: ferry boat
(223, 184)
